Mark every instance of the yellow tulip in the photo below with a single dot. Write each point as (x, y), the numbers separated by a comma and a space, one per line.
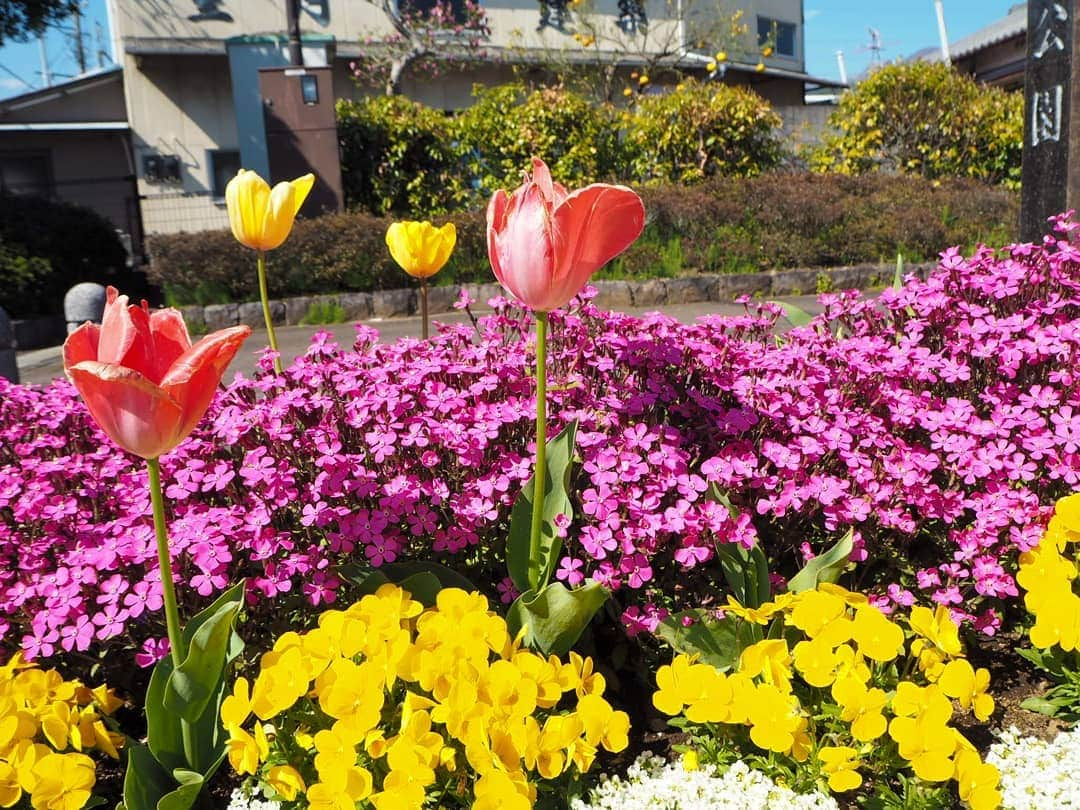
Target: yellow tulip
(419, 247)
(721, 56)
(261, 217)
(760, 68)
(710, 66)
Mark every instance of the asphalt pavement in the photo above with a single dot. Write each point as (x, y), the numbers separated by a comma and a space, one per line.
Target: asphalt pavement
(40, 366)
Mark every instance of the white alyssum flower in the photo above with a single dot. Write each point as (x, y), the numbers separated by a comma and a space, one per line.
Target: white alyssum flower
(1036, 774)
(242, 800)
(651, 783)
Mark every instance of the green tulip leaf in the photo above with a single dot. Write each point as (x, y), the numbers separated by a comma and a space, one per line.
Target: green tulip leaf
(423, 580)
(796, 315)
(555, 617)
(145, 781)
(714, 641)
(191, 687)
(826, 567)
(746, 571)
(531, 568)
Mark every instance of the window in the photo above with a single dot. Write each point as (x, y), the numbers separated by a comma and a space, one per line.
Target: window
(224, 164)
(427, 8)
(26, 173)
(781, 35)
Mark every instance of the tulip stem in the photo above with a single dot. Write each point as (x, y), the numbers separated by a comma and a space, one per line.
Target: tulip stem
(540, 468)
(168, 595)
(265, 296)
(423, 306)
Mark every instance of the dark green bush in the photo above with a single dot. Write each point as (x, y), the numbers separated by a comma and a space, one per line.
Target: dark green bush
(47, 246)
(398, 156)
(925, 118)
(774, 221)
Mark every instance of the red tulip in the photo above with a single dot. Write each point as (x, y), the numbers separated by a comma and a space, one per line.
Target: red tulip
(143, 381)
(544, 242)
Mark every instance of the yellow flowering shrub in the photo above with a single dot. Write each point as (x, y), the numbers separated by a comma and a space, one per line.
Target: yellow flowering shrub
(47, 726)
(390, 705)
(836, 693)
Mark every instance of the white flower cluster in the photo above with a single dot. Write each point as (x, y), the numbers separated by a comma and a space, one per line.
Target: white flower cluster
(242, 800)
(651, 783)
(1036, 774)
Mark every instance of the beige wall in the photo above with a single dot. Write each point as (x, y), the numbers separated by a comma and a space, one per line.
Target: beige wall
(180, 105)
(513, 22)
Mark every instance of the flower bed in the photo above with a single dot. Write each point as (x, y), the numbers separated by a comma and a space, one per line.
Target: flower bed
(937, 423)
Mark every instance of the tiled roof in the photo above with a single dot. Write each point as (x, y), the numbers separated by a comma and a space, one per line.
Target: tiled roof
(1012, 24)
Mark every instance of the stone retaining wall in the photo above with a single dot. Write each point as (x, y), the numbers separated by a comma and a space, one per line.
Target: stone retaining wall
(612, 295)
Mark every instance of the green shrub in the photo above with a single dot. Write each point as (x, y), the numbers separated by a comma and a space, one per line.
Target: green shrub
(699, 131)
(47, 246)
(398, 156)
(333, 253)
(508, 125)
(724, 225)
(927, 119)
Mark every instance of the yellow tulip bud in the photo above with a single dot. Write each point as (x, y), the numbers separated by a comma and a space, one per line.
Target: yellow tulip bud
(760, 67)
(644, 80)
(711, 66)
(627, 92)
(419, 247)
(721, 56)
(766, 51)
(261, 218)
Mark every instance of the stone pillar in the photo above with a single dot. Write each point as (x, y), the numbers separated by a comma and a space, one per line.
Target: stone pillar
(83, 302)
(1048, 93)
(9, 368)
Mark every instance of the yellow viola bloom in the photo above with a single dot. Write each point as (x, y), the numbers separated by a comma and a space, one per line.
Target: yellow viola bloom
(977, 781)
(774, 719)
(286, 780)
(840, 763)
(814, 610)
(877, 637)
(968, 685)
(927, 745)
(420, 248)
(861, 707)
(262, 218)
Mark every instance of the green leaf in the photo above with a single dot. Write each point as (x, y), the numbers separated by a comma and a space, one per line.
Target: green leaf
(1041, 705)
(447, 577)
(163, 736)
(746, 572)
(191, 687)
(145, 781)
(898, 276)
(531, 568)
(796, 315)
(714, 641)
(423, 580)
(825, 567)
(556, 617)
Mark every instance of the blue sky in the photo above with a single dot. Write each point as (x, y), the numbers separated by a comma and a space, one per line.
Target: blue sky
(831, 25)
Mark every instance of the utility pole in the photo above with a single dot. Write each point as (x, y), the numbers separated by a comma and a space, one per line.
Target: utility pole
(292, 19)
(46, 76)
(80, 52)
(943, 34)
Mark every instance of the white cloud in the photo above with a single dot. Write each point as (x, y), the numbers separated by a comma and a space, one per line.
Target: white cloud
(812, 14)
(10, 83)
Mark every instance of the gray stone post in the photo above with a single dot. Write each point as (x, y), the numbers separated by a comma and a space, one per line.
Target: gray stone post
(83, 302)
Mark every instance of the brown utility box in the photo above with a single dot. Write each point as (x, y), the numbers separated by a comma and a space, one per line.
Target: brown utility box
(301, 132)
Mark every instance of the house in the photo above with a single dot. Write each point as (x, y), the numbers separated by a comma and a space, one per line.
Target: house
(181, 112)
(994, 54)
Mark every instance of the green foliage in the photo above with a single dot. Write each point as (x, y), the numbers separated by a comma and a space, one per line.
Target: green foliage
(47, 246)
(19, 19)
(398, 157)
(1062, 700)
(927, 119)
(702, 130)
(509, 125)
(169, 772)
(323, 311)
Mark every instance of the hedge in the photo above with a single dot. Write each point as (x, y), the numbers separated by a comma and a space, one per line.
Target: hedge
(774, 221)
(48, 246)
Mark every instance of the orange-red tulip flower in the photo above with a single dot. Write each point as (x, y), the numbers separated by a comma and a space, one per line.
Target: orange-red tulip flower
(544, 242)
(142, 380)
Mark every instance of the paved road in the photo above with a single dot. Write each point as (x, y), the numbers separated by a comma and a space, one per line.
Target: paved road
(42, 365)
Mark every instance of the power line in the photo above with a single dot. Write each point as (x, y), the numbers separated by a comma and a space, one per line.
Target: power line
(15, 75)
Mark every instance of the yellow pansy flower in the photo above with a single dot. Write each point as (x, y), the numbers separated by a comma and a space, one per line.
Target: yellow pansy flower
(861, 707)
(840, 763)
(877, 637)
(959, 680)
(286, 780)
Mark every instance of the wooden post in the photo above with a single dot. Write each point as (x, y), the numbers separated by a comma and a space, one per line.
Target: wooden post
(1048, 97)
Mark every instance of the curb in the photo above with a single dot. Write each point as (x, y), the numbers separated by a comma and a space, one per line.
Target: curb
(610, 294)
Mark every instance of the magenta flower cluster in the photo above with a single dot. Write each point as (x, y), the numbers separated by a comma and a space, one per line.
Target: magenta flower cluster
(937, 422)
